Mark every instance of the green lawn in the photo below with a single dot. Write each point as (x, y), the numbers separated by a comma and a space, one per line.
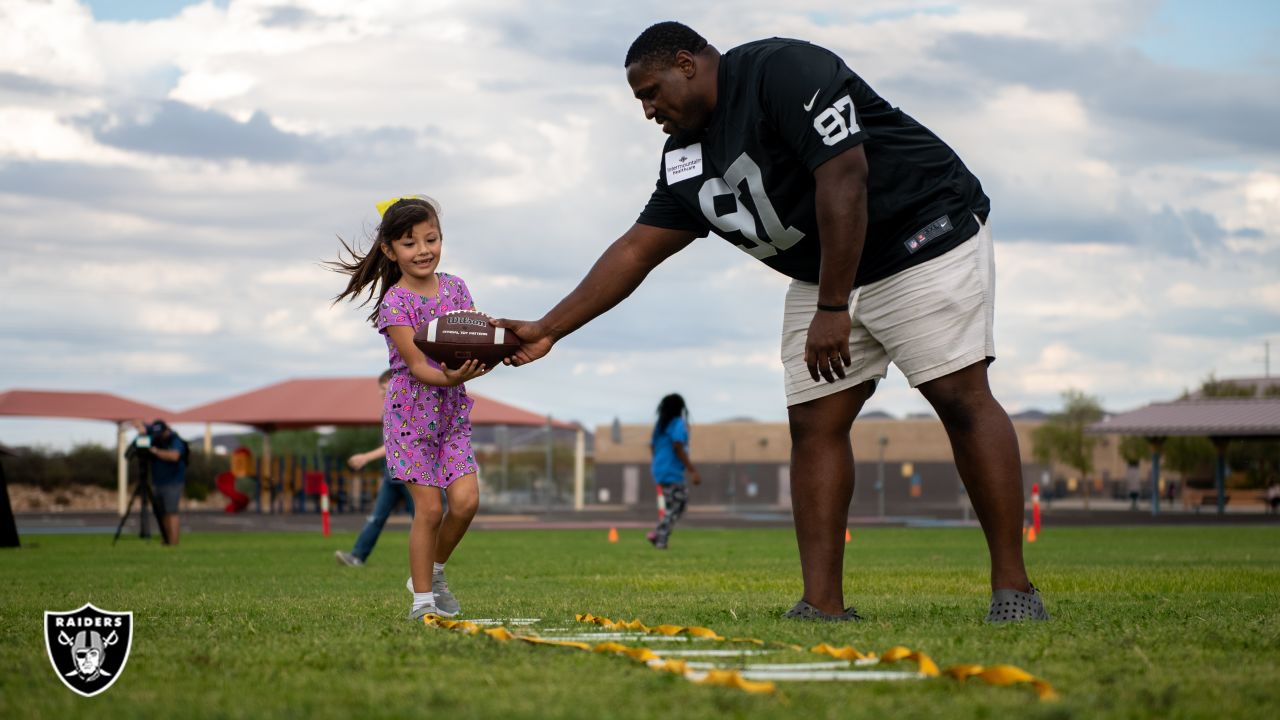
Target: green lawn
(1162, 622)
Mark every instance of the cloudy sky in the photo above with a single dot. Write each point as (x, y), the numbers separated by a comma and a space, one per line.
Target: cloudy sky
(172, 174)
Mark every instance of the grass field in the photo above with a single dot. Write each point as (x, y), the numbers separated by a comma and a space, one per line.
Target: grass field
(1159, 622)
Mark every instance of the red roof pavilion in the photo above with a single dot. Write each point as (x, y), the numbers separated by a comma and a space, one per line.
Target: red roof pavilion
(79, 405)
(334, 401)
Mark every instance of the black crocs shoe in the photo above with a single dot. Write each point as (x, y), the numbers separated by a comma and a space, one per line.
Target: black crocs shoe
(804, 611)
(1008, 605)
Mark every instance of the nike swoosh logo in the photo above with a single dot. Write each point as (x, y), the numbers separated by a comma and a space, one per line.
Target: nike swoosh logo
(809, 105)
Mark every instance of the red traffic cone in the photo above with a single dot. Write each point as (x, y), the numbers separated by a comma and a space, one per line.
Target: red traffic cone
(613, 534)
(847, 535)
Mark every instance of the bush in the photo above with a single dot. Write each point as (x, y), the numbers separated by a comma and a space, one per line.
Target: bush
(202, 474)
(43, 467)
(91, 464)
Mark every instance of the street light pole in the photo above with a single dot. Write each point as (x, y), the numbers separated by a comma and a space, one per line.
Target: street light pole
(550, 486)
(733, 472)
(884, 441)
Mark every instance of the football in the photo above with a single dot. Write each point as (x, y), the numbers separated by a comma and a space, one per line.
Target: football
(463, 335)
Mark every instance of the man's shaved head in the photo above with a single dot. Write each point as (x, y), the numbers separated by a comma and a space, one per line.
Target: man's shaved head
(658, 44)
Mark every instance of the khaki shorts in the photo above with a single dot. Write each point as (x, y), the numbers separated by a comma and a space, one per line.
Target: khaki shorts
(929, 320)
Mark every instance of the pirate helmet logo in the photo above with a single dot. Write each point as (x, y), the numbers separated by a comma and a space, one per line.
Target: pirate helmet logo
(88, 647)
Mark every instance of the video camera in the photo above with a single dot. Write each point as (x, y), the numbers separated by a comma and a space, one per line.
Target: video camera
(151, 436)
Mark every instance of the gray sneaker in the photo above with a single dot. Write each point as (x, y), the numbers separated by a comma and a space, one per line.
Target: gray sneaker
(425, 610)
(346, 558)
(1008, 605)
(445, 600)
(804, 611)
(445, 608)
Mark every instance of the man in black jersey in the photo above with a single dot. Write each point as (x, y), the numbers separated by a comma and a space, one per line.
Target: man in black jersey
(780, 149)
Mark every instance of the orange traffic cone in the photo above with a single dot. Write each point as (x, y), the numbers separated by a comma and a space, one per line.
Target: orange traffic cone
(847, 535)
(1031, 534)
(613, 534)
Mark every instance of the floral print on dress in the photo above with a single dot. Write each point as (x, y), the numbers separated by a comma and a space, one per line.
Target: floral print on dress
(427, 429)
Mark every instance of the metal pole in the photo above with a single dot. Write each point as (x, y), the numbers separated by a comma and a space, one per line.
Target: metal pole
(1156, 444)
(1220, 473)
(884, 442)
(550, 485)
(733, 472)
(122, 472)
(579, 468)
(268, 477)
(504, 433)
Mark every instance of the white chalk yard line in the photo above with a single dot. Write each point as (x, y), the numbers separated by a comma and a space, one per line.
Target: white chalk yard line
(786, 667)
(617, 636)
(831, 675)
(714, 653)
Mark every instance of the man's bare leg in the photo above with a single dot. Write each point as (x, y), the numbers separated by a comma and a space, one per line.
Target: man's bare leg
(822, 487)
(171, 527)
(986, 452)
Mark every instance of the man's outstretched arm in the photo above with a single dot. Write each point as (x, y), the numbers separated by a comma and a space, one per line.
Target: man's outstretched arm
(618, 272)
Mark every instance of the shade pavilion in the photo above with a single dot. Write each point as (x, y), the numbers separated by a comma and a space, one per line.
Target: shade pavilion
(1222, 420)
(86, 406)
(314, 402)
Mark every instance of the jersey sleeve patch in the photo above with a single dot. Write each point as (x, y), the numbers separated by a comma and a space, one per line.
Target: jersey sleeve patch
(683, 163)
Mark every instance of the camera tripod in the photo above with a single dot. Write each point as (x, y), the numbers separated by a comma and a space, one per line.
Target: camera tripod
(143, 493)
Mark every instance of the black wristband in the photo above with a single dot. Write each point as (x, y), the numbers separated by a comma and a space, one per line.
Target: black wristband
(834, 308)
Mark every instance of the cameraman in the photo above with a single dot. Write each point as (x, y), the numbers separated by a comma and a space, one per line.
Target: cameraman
(169, 454)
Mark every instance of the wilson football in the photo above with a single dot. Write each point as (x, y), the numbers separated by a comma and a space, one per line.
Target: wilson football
(462, 335)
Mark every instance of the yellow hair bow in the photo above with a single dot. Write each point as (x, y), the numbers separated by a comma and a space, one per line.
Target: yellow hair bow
(382, 206)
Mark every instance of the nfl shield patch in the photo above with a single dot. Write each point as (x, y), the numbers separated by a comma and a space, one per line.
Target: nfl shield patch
(88, 647)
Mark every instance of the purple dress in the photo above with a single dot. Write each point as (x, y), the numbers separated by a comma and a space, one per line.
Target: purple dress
(427, 429)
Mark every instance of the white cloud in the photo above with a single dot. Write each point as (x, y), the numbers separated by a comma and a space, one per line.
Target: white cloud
(51, 41)
(179, 320)
(42, 134)
(208, 88)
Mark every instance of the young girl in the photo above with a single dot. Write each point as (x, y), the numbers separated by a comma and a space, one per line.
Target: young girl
(670, 445)
(426, 414)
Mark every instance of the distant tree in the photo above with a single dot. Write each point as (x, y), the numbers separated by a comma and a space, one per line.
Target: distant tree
(1192, 457)
(1134, 449)
(1215, 388)
(92, 463)
(1272, 390)
(1259, 459)
(305, 443)
(1062, 438)
(347, 441)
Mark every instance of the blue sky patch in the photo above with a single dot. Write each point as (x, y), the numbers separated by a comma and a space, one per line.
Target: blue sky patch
(1236, 36)
(140, 10)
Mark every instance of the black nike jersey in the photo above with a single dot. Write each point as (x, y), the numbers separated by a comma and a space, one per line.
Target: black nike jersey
(783, 108)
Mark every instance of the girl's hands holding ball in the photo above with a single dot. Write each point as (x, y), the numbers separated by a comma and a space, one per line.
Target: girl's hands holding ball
(469, 370)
